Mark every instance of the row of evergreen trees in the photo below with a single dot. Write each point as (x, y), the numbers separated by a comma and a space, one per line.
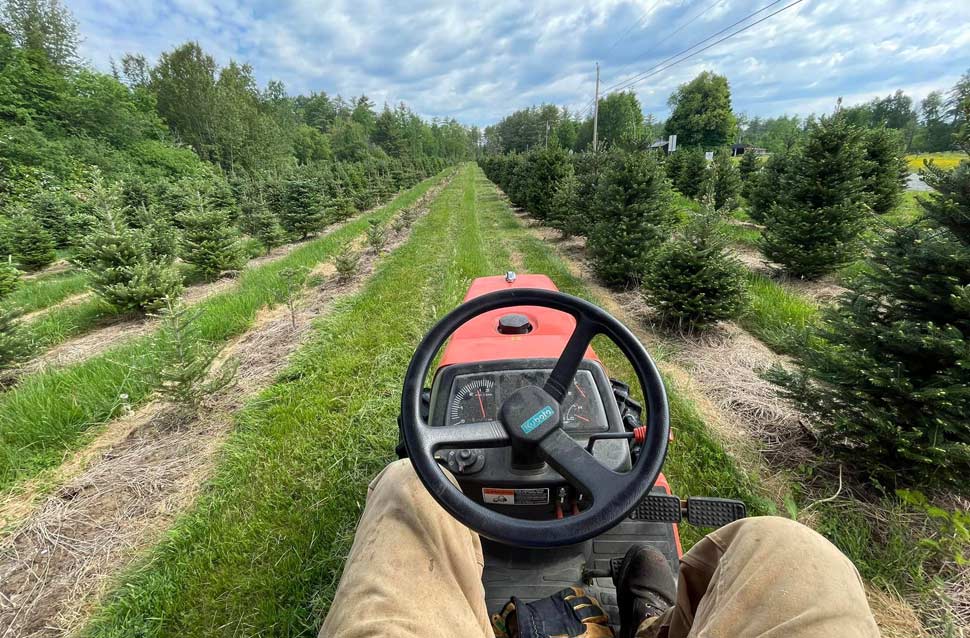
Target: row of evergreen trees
(886, 371)
(624, 203)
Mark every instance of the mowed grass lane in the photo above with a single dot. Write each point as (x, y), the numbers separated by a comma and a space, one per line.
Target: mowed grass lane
(262, 550)
(50, 412)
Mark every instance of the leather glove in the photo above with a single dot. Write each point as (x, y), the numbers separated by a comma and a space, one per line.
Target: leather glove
(569, 613)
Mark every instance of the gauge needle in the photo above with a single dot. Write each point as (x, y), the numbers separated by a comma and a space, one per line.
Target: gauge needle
(580, 389)
(481, 403)
(582, 418)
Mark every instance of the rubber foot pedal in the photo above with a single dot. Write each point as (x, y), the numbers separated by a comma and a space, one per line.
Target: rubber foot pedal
(706, 511)
(658, 508)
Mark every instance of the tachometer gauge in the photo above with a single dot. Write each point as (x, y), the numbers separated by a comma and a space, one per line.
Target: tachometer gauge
(474, 402)
(578, 407)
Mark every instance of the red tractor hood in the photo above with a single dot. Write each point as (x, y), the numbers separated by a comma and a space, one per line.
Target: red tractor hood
(479, 339)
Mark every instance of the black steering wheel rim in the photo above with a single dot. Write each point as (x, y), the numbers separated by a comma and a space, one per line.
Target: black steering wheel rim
(629, 488)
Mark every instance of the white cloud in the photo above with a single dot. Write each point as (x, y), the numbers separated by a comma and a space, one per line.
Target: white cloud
(479, 60)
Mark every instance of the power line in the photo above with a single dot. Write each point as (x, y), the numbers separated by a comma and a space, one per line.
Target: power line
(633, 26)
(696, 44)
(647, 74)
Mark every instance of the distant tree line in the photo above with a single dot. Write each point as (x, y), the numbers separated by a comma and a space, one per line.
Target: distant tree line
(701, 116)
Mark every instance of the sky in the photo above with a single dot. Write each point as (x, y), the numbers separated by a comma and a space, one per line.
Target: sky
(477, 61)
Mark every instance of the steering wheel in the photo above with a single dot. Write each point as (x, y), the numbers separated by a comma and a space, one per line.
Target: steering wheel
(530, 419)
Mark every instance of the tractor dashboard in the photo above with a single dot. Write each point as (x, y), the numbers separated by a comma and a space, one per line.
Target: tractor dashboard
(467, 393)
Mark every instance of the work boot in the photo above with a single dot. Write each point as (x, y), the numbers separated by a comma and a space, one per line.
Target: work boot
(645, 587)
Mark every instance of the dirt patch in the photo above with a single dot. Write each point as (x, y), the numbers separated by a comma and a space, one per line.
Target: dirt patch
(58, 266)
(131, 483)
(822, 290)
(69, 301)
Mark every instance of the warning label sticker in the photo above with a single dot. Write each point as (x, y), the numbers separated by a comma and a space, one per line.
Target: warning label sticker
(503, 496)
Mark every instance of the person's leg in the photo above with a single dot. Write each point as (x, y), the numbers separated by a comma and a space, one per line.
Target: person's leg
(766, 576)
(413, 571)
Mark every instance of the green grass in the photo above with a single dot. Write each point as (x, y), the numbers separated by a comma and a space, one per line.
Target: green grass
(42, 292)
(50, 412)
(778, 317)
(261, 551)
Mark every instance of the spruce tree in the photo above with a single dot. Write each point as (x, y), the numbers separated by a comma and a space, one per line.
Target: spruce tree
(33, 246)
(725, 181)
(815, 225)
(885, 171)
(634, 212)
(210, 242)
(748, 171)
(693, 280)
(567, 213)
(9, 278)
(125, 266)
(543, 170)
(887, 375)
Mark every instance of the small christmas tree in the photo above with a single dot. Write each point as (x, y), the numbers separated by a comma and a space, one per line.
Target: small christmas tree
(33, 246)
(693, 280)
(256, 220)
(687, 170)
(567, 213)
(887, 375)
(544, 168)
(634, 212)
(763, 188)
(747, 171)
(53, 209)
(125, 267)
(815, 225)
(885, 171)
(302, 211)
(9, 278)
(725, 181)
(210, 242)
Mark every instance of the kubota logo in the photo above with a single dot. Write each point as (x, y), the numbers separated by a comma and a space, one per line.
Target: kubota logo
(537, 419)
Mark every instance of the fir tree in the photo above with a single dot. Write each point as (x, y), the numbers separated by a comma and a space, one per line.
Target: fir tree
(815, 225)
(725, 181)
(567, 213)
(764, 187)
(887, 375)
(693, 280)
(53, 210)
(125, 268)
(9, 278)
(885, 171)
(15, 345)
(748, 171)
(301, 212)
(256, 220)
(634, 214)
(33, 246)
(210, 242)
(543, 170)
(687, 170)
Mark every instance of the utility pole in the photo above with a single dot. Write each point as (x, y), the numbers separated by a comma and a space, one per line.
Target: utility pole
(596, 107)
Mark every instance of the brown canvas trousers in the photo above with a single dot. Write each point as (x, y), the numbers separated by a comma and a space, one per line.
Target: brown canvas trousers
(415, 572)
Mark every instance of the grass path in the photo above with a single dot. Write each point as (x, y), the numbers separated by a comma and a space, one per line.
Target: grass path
(50, 413)
(262, 550)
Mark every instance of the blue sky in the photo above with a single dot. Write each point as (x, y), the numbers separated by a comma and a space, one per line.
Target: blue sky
(477, 61)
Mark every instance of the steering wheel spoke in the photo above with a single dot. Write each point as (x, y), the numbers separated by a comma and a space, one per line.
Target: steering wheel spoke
(469, 435)
(579, 467)
(561, 378)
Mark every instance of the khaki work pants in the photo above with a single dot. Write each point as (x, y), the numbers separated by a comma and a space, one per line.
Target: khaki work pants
(415, 572)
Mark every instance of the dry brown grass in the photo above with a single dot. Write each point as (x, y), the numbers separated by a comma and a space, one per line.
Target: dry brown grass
(120, 493)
